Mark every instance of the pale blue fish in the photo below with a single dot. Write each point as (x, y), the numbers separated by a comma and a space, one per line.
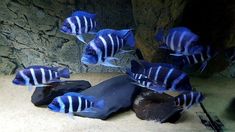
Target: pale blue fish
(79, 23)
(74, 103)
(107, 43)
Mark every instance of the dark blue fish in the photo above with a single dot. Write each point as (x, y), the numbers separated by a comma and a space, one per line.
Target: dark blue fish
(39, 75)
(188, 99)
(107, 43)
(80, 22)
(161, 77)
(180, 40)
(199, 58)
(74, 103)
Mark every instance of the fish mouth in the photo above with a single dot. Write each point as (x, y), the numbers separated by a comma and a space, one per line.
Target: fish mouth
(85, 61)
(53, 108)
(16, 82)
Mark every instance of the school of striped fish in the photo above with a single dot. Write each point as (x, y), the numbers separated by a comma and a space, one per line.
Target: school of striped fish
(101, 50)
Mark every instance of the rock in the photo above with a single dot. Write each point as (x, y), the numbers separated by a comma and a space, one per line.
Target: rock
(118, 94)
(44, 96)
(157, 107)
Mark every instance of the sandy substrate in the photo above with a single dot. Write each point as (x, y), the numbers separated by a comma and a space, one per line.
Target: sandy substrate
(18, 114)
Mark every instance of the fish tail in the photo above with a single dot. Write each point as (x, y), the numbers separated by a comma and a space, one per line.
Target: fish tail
(160, 35)
(128, 36)
(99, 104)
(64, 73)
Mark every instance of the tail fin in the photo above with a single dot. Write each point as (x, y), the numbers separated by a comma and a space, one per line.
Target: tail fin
(128, 35)
(64, 73)
(136, 67)
(99, 104)
(160, 35)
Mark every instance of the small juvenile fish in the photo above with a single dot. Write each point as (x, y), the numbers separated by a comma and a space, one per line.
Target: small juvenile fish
(107, 43)
(180, 40)
(39, 75)
(159, 78)
(187, 60)
(188, 99)
(80, 22)
(74, 103)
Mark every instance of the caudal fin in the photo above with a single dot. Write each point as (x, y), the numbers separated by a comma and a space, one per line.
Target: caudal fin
(64, 73)
(99, 104)
(128, 36)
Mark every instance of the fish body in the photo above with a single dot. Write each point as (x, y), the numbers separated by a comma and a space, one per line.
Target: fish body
(199, 58)
(75, 103)
(108, 42)
(39, 75)
(188, 99)
(162, 78)
(79, 23)
(180, 40)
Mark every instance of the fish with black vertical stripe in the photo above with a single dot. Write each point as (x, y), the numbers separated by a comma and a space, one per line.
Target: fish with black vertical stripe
(39, 75)
(72, 102)
(159, 77)
(107, 43)
(79, 23)
(188, 99)
(180, 40)
(200, 58)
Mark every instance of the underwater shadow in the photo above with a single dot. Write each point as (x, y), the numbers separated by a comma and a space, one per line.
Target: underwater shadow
(229, 111)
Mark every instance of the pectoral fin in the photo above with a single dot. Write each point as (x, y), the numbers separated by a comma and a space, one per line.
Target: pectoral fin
(125, 51)
(81, 39)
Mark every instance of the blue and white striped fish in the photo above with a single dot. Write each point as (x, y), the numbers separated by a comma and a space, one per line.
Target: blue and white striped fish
(74, 103)
(188, 99)
(202, 57)
(79, 23)
(180, 40)
(39, 75)
(160, 78)
(107, 43)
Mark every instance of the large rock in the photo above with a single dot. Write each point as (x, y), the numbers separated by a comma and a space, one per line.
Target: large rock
(157, 107)
(118, 94)
(29, 32)
(44, 95)
(150, 15)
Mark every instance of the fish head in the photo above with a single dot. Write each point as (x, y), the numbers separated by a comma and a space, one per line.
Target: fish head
(90, 56)
(19, 80)
(54, 105)
(66, 27)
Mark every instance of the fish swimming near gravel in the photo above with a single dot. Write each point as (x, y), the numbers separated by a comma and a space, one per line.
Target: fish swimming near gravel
(107, 43)
(79, 23)
(74, 103)
(180, 40)
(39, 75)
(160, 78)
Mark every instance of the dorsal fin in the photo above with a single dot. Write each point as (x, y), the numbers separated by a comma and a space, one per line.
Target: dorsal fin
(83, 13)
